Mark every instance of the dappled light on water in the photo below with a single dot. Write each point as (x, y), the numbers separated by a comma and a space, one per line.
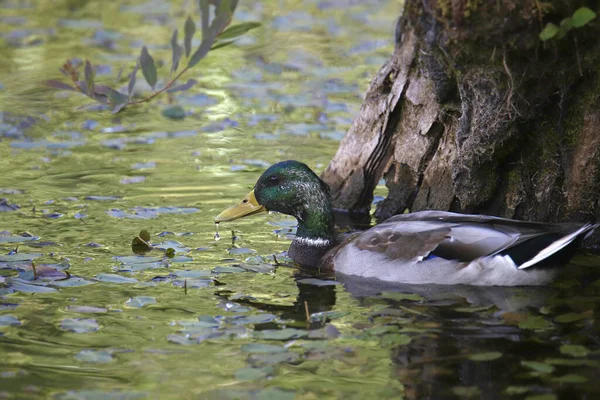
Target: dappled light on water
(113, 280)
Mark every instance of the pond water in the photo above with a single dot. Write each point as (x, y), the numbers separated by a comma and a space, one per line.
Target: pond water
(83, 317)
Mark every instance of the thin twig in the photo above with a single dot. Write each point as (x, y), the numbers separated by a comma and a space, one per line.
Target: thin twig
(307, 313)
(578, 56)
(35, 275)
(185, 286)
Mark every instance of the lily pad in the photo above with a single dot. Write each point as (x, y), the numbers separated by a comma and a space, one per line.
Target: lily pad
(538, 366)
(19, 257)
(80, 325)
(251, 319)
(115, 278)
(398, 296)
(395, 339)
(94, 356)
(9, 320)
(252, 374)
(489, 356)
(87, 309)
(263, 348)
(574, 350)
(281, 334)
(318, 282)
(140, 301)
(17, 239)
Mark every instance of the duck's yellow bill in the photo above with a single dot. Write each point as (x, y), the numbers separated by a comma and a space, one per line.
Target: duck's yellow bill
(247, 206)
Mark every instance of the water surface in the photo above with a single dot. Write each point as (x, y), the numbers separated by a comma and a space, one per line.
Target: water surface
(222, 319)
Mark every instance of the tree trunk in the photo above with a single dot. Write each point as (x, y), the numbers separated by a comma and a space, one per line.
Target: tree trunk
(474, 113)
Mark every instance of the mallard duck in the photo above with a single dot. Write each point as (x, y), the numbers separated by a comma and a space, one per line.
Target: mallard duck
(426, 247)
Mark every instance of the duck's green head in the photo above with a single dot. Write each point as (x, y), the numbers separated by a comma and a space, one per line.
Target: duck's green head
(292, 188)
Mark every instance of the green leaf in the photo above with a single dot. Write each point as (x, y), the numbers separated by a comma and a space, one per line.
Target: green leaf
(534, 323)
(144, 234)
(177, 51)
(565, 26)
(398, 296)
(570, 378)
(115, 96)
(574, 350)
(170, 252)
(204, 15)
(573, 317)
(59, 85)
(395, 339)
(189, 29)
(89, 78)
(131, 84)
(550, 30)
(489, 356)
(582, 16)
(217, 25)
(148, 67)
(183, 86)
(174, 112)
(238, 30)
(538, 366)
(466, 392)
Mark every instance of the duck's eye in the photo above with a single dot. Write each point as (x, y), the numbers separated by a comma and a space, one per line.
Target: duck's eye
(273, 179)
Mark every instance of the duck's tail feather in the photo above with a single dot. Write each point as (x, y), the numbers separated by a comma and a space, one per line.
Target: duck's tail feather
(559, 244)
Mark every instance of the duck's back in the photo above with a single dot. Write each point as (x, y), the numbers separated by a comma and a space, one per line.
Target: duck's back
(449, 248)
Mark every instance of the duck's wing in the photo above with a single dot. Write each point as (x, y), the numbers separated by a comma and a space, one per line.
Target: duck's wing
(418, 236)
(417, 240)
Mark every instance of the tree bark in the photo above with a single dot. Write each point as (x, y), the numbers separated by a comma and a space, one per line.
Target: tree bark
(474, 113)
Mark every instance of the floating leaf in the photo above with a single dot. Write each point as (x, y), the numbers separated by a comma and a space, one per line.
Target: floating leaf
(466, 392)
(140, 301)
(19, 257)
(189, 29)
(550, 30)
(570, 378)
(401, 296)
(148, 67)
(80, 325)
(87, 309)
(281, 334)
(573, 317)
(131, 84)
(574, 350)
(395, 339)
(489, 356)
(22, 286)
(94, 356)
(538, 366)
(251, 319)
(262, 348)
(114, 278)
(582, 16)
(17, 239)
(183, 86)
(318, 282)
(176, 49)
(170, 252)
(534, 322)
(59, 85)
(89, 78)
(174, 112)
(9, 320)
(252, 374)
